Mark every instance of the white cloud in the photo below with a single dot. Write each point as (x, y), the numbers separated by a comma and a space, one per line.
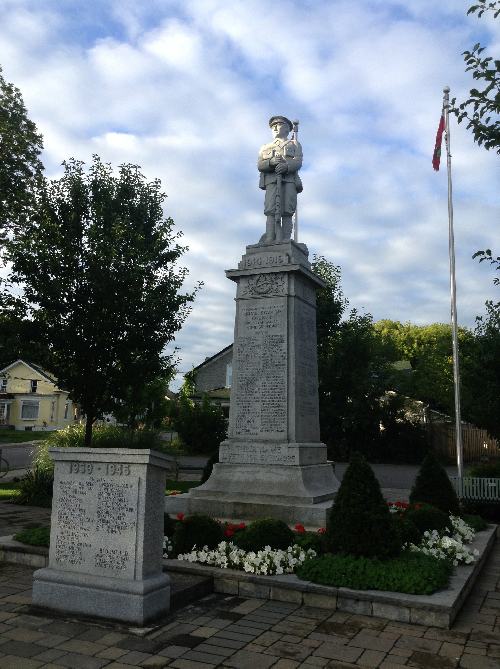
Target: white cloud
(185, 89)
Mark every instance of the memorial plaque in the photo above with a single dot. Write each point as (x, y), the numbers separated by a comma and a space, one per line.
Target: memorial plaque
(96, 520)
(106, 540)
(260, 369)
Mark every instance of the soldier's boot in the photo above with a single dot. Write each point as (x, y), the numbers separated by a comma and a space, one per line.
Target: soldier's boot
(270, 231)
(286, 226)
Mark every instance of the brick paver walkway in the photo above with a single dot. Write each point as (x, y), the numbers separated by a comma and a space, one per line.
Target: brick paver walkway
(221, 631)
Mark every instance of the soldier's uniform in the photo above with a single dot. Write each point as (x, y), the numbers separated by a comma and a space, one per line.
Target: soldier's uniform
(291, 184)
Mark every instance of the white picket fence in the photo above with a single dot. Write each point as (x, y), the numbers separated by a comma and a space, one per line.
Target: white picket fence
(481, 489)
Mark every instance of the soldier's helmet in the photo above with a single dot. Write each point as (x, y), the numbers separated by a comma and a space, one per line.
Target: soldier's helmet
(283, 119)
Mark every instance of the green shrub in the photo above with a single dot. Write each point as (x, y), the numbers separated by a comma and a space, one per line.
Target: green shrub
(37, 536)
(207, 469)
(360, 522)
(487, 510)
(407, 531)
(429, 518)
(476, 522)
(311, 540)
(432, 486)
(265, 532)
(197, 530)
(413, 573)
(201, 426)
(485, 470)
(35, 488)
(103, 436)
(169, 525)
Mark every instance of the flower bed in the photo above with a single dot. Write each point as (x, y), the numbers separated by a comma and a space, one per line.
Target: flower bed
(267, 561)
(422, 568)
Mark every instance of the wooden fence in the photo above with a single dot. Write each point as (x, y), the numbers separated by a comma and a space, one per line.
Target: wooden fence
(475, 488)
(477, 444)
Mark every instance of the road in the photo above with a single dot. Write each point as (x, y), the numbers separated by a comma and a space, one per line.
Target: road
(19, 456)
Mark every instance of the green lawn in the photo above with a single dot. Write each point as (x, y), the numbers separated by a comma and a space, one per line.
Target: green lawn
(181, 486)
(18, 436)
(8, 490)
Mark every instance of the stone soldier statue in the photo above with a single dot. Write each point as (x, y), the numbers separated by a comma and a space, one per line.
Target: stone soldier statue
(278, 164)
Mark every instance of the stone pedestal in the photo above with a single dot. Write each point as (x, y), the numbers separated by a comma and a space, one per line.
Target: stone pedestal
(273, 463)
(106, 539)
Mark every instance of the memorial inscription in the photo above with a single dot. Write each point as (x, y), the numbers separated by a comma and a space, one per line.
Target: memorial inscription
(260, 356)
(96, 518)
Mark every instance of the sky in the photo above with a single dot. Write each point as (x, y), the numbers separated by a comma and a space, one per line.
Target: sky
(185, 89)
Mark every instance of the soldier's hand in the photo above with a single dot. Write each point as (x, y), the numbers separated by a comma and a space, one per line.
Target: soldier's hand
(274, 161)
(281, 168)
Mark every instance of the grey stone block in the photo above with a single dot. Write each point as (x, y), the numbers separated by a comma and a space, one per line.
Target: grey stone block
(320, 601)
(353, 605)
(391, 612)
(254, 590)
(226, 586)
(286, 595)
(106, 543)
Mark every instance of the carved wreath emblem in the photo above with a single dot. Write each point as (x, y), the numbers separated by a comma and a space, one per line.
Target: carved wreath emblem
(265, 284)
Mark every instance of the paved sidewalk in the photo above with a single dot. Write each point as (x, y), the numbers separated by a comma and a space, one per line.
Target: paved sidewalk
(224, 631)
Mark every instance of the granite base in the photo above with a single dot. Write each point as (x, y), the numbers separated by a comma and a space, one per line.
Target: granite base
(294, 494)
(136, 602)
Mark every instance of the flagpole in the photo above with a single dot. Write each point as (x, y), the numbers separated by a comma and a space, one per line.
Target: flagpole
(453, 288)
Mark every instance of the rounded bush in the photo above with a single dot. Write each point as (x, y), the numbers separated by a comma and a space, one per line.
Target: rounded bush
(35, 488)
(168, 525)
(311, 540)
(407, 531)
(265, 532)
(197, 530)
(429, 518)
(360, 522)
(432, 486)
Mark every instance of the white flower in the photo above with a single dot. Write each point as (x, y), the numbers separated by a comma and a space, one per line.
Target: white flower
(446, 547)
(267, 561)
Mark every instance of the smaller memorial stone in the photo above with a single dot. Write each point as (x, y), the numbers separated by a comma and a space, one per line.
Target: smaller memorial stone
(106, 538)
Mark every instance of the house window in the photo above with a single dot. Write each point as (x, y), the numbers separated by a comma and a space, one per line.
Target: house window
(52, 411)
(34, 385)
(66, 409)
(29, 410)
(4, 413)
(229, 374)
(3, 385)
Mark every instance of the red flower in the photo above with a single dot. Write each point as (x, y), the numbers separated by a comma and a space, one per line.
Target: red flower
(300, 528)
(322, 530)
(180, 516)
(241, 526)
(228, 533)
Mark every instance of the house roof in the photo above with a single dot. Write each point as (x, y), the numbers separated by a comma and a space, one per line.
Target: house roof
(33, 367)
(213, 357)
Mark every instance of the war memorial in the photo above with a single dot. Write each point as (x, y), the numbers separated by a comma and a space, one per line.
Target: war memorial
(273, 462)
(107, 519)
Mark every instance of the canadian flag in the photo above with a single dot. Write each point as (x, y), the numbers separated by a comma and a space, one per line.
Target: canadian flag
(436, 158)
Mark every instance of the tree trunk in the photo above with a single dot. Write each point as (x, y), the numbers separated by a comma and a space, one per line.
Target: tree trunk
(89, 420)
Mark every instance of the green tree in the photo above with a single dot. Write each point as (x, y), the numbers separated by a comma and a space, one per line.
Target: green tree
(201, 425)
(481, 110)
(428, 348)
(145, 404)
(20, 171)
(20, 165)
(481, 373)
(97, 262)
(352, 367)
